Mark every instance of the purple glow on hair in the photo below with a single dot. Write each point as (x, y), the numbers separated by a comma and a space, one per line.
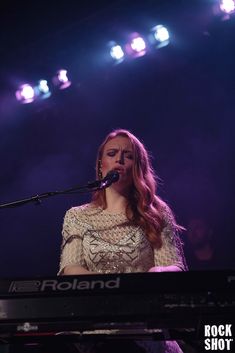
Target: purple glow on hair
(25, 93)
(227, 6)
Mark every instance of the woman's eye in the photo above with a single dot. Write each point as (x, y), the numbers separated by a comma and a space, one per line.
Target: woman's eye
(111, 154)
(129, 156)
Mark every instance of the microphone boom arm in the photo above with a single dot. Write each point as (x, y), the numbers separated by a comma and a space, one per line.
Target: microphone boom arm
(111, 177)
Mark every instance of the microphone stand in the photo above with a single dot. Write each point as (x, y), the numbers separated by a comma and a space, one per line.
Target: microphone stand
(91, 186)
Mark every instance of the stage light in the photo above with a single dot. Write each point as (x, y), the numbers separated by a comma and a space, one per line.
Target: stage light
(227, 6)
(42, 90)
(161, 36)
(116, 52)
(25, 93)
(136, 45)
(62, 76)
(61, 79)
(43, 86)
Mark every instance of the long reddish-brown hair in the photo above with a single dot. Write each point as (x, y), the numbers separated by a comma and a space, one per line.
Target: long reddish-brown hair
(144, 207)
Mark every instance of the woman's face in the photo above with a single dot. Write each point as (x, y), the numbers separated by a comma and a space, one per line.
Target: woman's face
(118, 155)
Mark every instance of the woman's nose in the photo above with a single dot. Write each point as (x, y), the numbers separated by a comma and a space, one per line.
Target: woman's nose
(120, 158)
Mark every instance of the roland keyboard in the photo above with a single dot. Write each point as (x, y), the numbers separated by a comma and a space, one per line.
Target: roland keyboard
(180, 302)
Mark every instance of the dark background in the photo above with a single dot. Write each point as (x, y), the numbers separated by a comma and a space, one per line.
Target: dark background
(179, 100)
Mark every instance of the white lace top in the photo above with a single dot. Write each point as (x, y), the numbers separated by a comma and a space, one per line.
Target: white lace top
(102, 242)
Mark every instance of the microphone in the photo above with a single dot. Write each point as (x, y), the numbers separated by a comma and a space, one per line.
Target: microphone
(111, 177)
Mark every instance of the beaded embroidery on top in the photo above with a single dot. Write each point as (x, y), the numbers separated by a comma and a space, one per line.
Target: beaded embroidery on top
(107, 243)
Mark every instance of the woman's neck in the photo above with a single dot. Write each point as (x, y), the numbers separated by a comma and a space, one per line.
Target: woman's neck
(116, 202)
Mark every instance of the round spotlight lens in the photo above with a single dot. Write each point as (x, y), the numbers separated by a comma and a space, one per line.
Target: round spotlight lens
(116, 52)
(138, 44)
(27, 92)
(161, 33)
(227, 6)
(62, 76)
(43, 86)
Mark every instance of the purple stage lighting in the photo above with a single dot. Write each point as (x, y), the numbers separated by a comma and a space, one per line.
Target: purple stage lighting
(61, 79)
(136, 46)
(25, 93)
(227, 6)
(62, 76)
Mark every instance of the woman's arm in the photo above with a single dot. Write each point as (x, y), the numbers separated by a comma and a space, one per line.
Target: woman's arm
(170, 257)
(71, 257)
(171, 268)
(75, 270)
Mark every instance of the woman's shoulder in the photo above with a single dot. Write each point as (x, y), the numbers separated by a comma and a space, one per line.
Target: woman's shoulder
(169, 219)
(84, 210)
(165, 210)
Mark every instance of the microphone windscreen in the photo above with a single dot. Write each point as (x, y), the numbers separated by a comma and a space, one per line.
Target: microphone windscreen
(112, 176)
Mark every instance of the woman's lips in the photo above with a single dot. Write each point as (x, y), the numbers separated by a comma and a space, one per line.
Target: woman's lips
(119, 170)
